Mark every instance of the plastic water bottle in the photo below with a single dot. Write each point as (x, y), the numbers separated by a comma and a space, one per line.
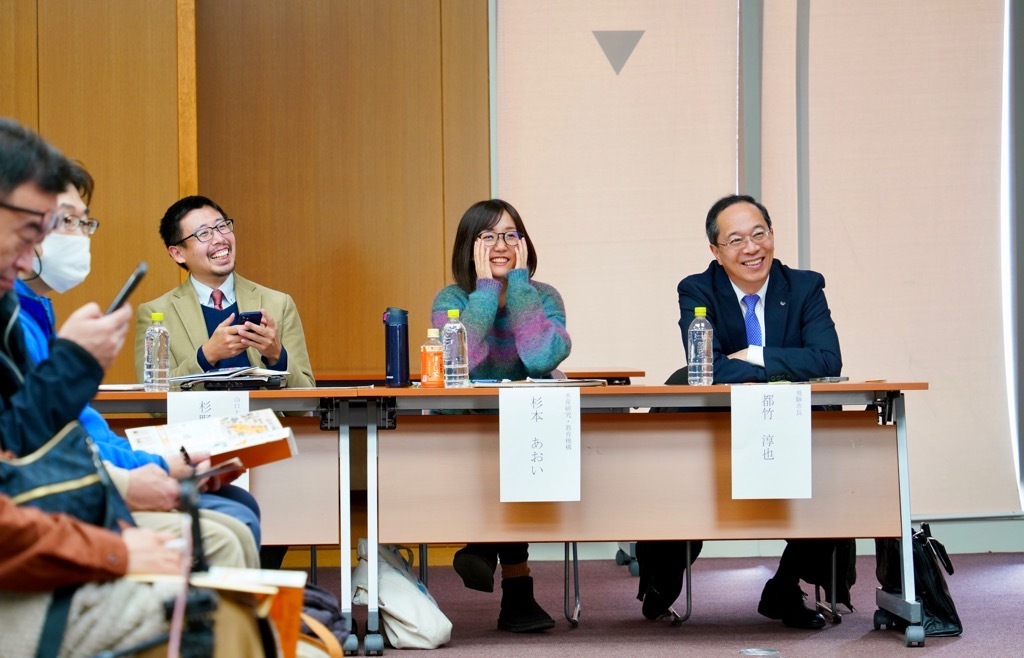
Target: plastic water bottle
(456, 351)
(157, 364)
(432, 360)
(700, 352)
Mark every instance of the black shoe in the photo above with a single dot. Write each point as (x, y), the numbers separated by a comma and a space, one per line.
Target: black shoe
(786, 602)
(476, 566)
(520, 612)
(662, 566)
(656, 604)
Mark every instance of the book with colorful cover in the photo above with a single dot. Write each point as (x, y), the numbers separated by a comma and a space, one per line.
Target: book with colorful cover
(256, 438)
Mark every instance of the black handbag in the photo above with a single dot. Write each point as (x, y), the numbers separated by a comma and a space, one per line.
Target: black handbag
(939, 616)
(66, 475)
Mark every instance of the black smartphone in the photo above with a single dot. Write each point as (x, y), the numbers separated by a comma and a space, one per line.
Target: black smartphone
(229, 466)
(249, 316)
(129, 286)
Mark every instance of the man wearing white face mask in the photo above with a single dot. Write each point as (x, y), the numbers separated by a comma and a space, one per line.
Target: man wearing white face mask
(147, 482)
(67, 254)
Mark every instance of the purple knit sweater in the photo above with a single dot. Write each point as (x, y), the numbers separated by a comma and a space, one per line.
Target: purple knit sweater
(526, 338)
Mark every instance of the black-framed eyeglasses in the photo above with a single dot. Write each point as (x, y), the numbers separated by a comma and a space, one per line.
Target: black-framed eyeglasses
(490, 238)
(757, 237)
(205, 234)
(86, 224)
(50, 218)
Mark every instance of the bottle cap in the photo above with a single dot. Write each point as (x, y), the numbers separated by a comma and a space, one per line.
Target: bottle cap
(394, 316)
(433, 333)
(157, 317)
(701, 312)
(453, 312)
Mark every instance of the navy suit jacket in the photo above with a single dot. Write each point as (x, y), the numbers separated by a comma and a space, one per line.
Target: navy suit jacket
(801, 337)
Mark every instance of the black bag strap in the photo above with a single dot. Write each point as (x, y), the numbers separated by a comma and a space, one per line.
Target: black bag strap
(934, 546)
(56, 621)
(940, 553)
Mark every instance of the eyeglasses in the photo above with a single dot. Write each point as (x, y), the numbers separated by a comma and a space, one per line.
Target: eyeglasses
(71, 223)
(490, 238)
(50, 218)
(757, 237)
(205, 234)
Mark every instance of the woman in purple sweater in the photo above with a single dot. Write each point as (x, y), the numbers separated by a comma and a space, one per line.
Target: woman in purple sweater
(516, 329)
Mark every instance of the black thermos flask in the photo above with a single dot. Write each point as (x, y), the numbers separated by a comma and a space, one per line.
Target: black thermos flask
(396, 347)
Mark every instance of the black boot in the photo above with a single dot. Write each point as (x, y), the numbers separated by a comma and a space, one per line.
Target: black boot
(476, 563)
(520, 612)
(786, 602)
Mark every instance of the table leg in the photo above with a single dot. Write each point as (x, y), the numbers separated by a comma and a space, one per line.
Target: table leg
(373, 644)
(904, 605)
(351, 646)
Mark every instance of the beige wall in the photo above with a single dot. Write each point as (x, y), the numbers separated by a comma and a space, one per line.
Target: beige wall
(614, 175)
(905, 105)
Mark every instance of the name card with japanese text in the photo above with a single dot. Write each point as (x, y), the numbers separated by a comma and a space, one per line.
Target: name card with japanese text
(183, 406)
(539, 444)
(771, 441)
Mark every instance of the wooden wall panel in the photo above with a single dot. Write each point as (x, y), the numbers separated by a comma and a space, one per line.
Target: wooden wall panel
(346, 138)
(322, 131)
(467, 125)
(18, 65)
(108, 97)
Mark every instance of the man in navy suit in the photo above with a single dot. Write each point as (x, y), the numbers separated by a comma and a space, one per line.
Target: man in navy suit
(771, 323)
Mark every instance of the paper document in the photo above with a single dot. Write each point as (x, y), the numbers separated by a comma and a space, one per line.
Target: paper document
(229, 373)
(539, 383)
(771, 441)
(122, 387)
(539, 445)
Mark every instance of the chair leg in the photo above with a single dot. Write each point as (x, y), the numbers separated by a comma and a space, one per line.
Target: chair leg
(572, 614)
(626, 555)
(312, 565)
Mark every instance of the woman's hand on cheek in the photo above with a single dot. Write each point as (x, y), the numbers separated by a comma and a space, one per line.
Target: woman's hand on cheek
(522, 255)
(482, 259)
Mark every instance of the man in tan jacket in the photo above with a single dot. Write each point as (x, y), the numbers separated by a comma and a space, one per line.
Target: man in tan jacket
(201, 314)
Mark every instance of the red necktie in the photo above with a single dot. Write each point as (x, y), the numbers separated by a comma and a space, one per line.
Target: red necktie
(218, 299)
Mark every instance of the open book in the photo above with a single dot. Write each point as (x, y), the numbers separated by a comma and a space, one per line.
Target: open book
(256, 438)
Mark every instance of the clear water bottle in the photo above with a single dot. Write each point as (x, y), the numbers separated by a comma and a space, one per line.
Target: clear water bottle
(700, 349)
(157, 364)
(432, 360)
(456, 351)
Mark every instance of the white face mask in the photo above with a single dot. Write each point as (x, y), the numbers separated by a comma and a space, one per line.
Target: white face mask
(65, 261)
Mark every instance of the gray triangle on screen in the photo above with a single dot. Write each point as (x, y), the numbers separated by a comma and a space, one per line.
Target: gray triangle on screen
(618, 45)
